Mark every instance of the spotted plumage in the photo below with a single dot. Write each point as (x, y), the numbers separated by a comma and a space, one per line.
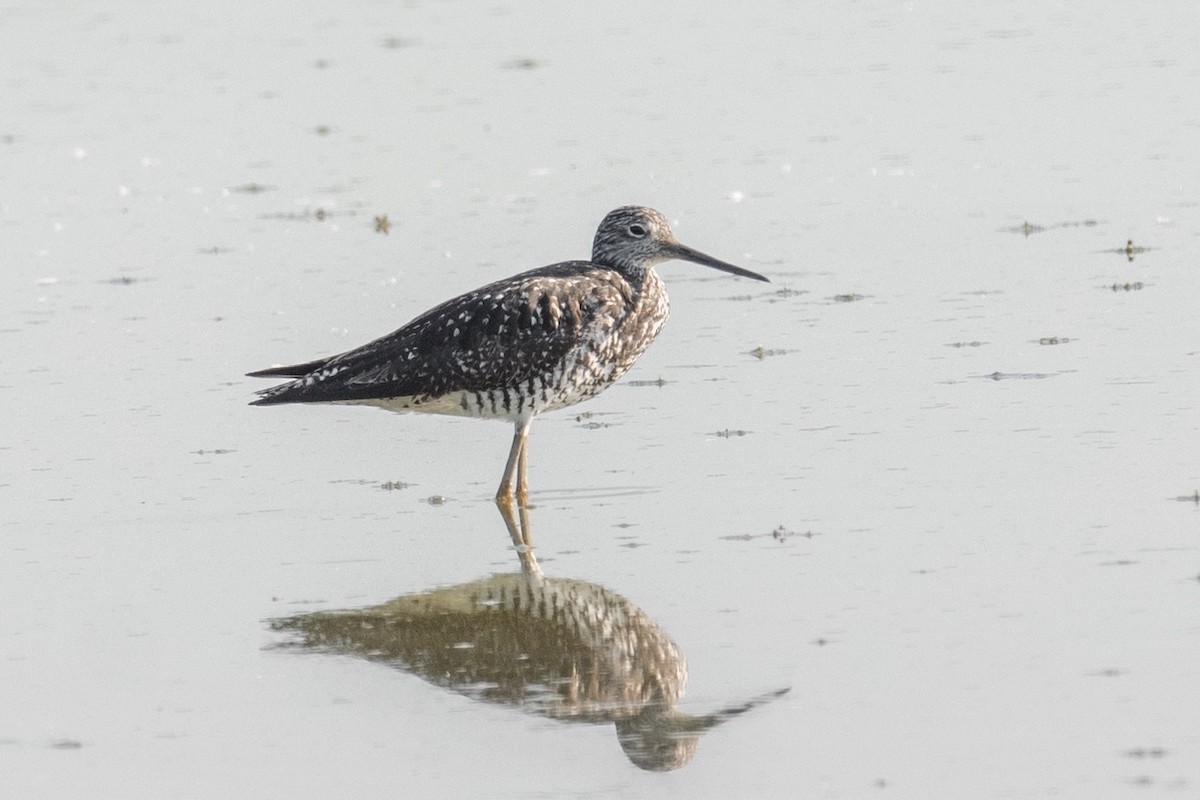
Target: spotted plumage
(541, 340)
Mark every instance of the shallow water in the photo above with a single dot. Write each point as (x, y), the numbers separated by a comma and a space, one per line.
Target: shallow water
(938, 478)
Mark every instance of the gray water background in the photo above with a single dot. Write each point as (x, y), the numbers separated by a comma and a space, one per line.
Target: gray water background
(939, 477)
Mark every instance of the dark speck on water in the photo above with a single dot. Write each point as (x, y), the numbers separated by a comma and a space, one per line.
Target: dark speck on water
(1146, 752)
(319, 214)
(1010, 376)
(396, 42)
(1028, 228)
(66, 744)
(762, 353)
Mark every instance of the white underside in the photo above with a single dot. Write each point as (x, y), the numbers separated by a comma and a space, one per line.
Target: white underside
(456, 404)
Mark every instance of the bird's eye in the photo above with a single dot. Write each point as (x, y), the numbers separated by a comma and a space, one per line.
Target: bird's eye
(637, 231)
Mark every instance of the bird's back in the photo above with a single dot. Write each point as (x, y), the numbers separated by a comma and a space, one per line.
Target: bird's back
(542, 339)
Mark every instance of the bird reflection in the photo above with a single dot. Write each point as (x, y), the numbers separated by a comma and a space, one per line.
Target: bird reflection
(555, 647)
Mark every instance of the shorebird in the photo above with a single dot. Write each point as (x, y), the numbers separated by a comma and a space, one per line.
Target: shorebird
(538, 341)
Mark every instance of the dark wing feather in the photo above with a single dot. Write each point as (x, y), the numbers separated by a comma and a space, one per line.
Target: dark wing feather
(504, 334)
(293, 371)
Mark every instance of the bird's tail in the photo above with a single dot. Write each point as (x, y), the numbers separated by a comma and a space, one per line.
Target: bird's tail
(292, 371)
(285, 392)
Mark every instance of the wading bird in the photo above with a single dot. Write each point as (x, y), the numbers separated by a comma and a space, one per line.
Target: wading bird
(541, 340)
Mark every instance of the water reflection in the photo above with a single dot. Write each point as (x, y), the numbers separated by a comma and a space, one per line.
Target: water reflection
(556, 647)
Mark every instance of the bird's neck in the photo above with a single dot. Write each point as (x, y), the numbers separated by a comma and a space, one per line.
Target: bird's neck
(636, 275)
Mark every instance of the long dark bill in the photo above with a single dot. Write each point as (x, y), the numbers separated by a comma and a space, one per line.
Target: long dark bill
(685, 253)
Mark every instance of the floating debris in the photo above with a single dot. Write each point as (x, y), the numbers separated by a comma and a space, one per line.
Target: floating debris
(1129, 250)
(396, 42)
(1107, 672)
(588, 422)
(319, 214)
(1019, 376)
(1147, 752)
(779, 534)
(761, 352)
(253, 187)
(383, 224)
(66, 744)
(1028, 228)
(522, 63)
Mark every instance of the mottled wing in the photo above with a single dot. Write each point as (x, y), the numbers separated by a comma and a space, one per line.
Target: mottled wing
(505, 334)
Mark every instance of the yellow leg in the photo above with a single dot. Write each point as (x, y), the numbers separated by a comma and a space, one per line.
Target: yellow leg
(516, 468)
(523, 471)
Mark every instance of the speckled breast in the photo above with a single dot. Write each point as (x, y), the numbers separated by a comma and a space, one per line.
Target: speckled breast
(608, 347)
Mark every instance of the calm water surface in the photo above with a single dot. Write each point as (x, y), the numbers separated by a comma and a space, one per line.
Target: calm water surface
(938, 478)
